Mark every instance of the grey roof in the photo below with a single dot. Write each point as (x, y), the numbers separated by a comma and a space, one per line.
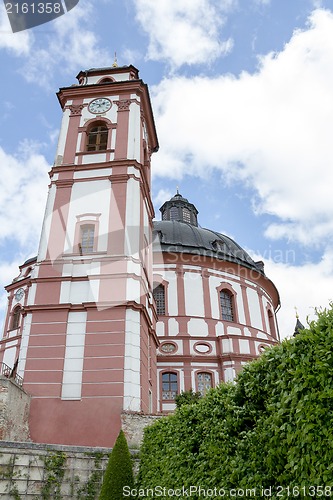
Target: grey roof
(298, 327)
(30, 261)
(182, 237)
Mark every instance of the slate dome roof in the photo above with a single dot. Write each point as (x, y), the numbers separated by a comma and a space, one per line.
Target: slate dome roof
(178, 231)
(182, 237)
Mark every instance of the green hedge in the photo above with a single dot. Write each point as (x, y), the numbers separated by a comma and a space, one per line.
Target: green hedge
(273, 428)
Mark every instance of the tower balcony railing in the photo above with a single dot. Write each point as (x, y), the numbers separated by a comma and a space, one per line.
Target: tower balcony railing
(9, 373)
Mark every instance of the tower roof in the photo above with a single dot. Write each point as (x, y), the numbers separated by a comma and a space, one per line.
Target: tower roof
(179, 209)
(298, 327)
(132, 70)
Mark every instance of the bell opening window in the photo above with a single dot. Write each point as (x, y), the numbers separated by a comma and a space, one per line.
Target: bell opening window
(15, 321)
(106, 80)
(169, 386)
(87, 239)
(204, 382)
(186, 215)
(159, 296)
(226, 303)
(97, 139)
(174, 213)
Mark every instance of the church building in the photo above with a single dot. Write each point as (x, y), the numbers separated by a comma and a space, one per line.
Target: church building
(120, 312)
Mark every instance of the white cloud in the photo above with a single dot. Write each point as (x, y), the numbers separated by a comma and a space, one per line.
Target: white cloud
(162, 196)
(17, 43)
(272, 129)
(8, 270)
(69, 44)
(305, 287)
(23, 187)
(186, 31)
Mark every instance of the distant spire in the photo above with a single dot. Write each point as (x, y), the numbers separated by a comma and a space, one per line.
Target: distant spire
(298, 327)
(115, 62)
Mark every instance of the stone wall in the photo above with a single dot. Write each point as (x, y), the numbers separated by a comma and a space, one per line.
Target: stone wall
(14, 411)
(133, 425)
(34, 471)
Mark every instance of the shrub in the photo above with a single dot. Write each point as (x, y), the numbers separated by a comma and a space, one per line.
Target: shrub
(119, 472)
(274, 427)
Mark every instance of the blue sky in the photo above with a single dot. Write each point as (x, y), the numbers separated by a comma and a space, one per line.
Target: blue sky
(242, 95)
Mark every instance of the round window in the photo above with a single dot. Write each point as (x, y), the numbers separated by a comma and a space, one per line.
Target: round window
(168, 347)
(202, 348)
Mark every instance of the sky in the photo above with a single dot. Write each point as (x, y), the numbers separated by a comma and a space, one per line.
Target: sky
(242, 93)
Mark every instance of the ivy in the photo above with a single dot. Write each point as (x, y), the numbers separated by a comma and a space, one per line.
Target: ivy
(54, 471)
(91, 488)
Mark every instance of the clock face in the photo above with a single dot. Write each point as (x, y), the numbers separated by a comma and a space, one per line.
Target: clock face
(98, 106)
(19, 294)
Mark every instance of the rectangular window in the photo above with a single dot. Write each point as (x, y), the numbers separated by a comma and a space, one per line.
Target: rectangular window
(87, 239)
(169, 386)
(226, 305)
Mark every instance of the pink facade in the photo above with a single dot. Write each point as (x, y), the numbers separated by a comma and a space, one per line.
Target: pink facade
(98, 323)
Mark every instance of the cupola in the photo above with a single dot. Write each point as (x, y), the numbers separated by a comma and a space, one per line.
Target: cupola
(179, 209)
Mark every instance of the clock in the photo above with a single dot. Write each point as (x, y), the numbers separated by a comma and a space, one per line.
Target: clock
(19, 294)
(98, 106)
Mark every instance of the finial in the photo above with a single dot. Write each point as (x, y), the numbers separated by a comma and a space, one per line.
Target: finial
(177, 189)
(297, 316)
(115, 62)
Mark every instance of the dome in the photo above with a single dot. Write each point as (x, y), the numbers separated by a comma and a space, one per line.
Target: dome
(178, 231)
(183, 237)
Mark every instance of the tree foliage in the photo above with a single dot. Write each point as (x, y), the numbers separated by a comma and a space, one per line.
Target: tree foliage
(274, 427)
(119, 472)
(187, 397)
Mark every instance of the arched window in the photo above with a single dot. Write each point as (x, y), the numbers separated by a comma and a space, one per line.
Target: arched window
(226, 302)
(87, 239)
(15, 322)
(106, 80)
(204, 382)
(169, 386)
(159, 296)
(97, 137)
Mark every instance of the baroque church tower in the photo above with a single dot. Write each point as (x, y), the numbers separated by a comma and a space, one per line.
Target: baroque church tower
(118, 313)
(86, 343)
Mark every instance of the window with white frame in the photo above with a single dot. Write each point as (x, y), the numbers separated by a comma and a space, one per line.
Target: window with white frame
(159, 296)
(169, 386)
(226, 303)
(87, 239)
(204, 382)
